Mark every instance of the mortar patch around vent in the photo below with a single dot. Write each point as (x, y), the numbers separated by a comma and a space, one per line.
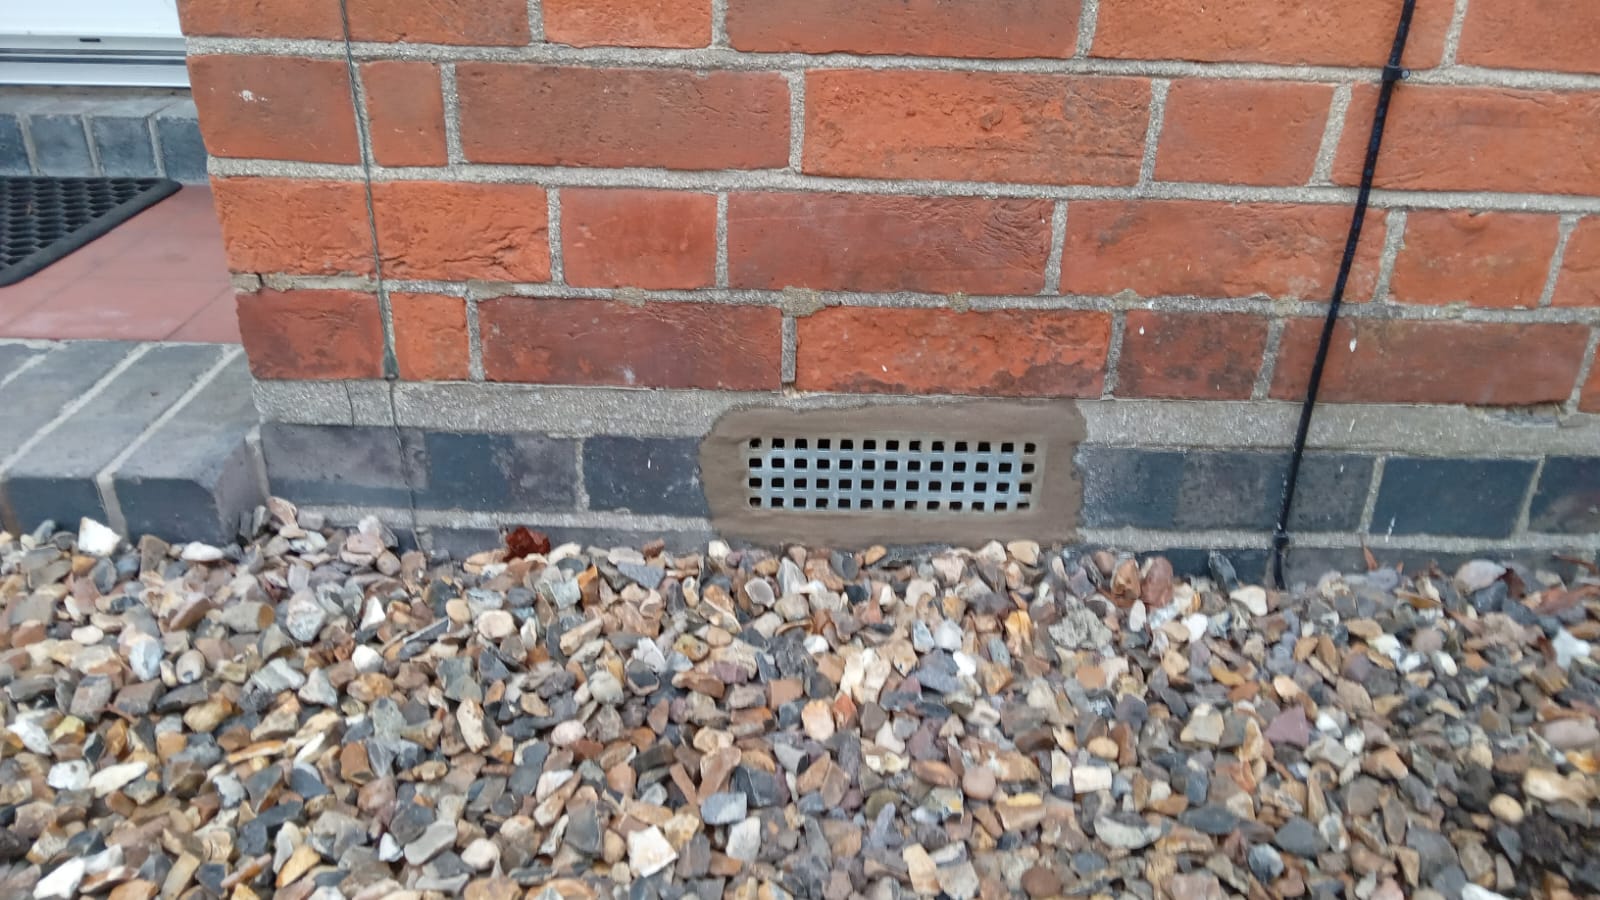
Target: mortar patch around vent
(891, 473)
(900, 471)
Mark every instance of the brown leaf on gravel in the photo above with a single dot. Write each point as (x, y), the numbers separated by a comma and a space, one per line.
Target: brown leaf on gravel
(522, 542)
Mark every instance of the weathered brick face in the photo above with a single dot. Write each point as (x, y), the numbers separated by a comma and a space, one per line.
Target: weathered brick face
(1026, 198)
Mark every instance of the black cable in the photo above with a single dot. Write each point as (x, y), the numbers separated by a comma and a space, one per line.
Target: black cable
(1391, 74)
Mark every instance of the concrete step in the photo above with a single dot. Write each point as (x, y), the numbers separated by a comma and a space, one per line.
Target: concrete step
(146, 438)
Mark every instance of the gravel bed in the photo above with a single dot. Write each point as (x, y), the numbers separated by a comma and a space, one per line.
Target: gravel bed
(315, 714)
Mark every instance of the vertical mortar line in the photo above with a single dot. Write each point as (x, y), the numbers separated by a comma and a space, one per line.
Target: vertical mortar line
(1332, 133)
(722, 240)
(1394, 239)
(155, 144)
(1452, 35)
(105, 480)
(1262, 389)
(1584, 370)
(451, 95)
(1525, 510)
(1364, 527)
(582, 488)
(1113, 354)
(790, 345)
(1088, 15)
(1563, 235)
(719, 24)
(474, 338)
(797, 119)
(558, 274)
(94, 152)
(258, 460)
(536, 21)
(26, 128)
(1058, 241)
(1152, 133)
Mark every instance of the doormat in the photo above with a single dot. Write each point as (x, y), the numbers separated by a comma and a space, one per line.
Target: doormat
(44, 219)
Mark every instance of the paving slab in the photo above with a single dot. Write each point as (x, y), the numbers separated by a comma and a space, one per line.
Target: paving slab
(195, 475)
(55, 479)
(34, 398)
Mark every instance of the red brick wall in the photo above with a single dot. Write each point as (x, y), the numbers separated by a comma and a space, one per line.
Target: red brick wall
(1126, 198)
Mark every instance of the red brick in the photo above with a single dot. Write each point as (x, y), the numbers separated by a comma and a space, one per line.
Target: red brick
(405, 113)
(262, 18)
(312, 335)
(1190, 356)
(1191, 247)
(1578, 283)
(493, 22)
(467, 232)
(628, 23)
(275, 107)
(585, 116)
(1348, 33)
(1481, 258)
(1562, 35)
(997, 29)
(1590, 400)
(1009, 353)
(430, 336)
(1230, 131)
(294, 226)
(1444, 138)
(659, 240)
(863, 242)
(1400, 361)
(976, 126)
(658, 345)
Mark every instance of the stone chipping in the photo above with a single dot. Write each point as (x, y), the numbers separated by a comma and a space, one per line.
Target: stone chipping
(317, 714)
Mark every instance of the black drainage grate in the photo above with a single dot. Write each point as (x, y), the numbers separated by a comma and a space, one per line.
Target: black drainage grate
(44, 219)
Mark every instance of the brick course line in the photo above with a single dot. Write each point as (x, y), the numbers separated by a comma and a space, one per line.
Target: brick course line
(784, 180)
(1142, 540)
(720, 58)
(77, 403)
(451, 518)
(1258, 305)
(105, 479)
(1563, 235)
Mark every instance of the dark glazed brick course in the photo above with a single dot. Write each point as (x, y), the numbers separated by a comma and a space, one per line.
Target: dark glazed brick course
(1201, 490)
(648, 476)
(123, 145)
(1452, 497)
(335, 465)
(1567, 500)
(13, 151)
(498, 472)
